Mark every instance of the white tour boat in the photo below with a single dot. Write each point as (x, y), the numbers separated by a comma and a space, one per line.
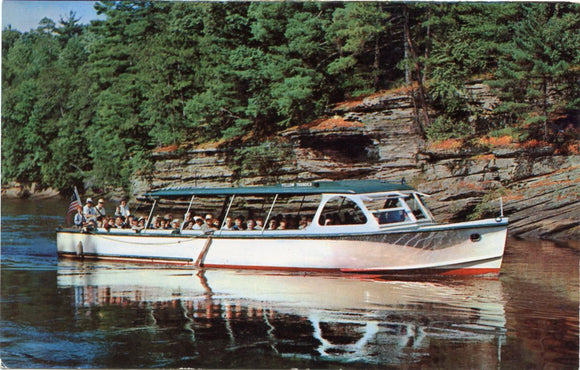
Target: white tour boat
(353, 226)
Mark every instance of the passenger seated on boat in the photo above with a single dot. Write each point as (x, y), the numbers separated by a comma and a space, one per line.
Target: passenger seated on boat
(187, 218)
(123, 209)
(239, 223)
(259, 224)
(273, 224)
(175, 225)
(198, 223)
(292, 222)
(89, 211)
(229, 224)
(303, 223)
(282, 224)
(156, 223)
(79, 219)
(119, 221)
(168, 225)
(135, 225)
(209, 224)
(163, 224)
(251, 225)
(108, 222)
(128, 222)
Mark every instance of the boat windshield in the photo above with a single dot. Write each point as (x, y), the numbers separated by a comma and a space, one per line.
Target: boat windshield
(387, 209)
(417, 207)
(392, 208)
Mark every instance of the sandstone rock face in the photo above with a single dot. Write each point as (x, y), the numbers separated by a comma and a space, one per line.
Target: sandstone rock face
(377, 138)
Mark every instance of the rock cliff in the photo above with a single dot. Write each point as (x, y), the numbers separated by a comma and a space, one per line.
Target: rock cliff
(376, 137)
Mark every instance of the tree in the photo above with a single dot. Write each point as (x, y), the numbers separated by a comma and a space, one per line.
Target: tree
(537, 73)
(32, 101)
(69, 28)
(361, 33)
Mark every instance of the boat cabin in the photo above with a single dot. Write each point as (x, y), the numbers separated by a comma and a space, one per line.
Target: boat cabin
(317, 207)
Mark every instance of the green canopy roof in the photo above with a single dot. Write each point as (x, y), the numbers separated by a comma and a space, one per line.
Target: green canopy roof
(321, 187)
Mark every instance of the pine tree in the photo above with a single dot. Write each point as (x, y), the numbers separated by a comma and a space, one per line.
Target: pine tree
(360, 34)
(536, 74)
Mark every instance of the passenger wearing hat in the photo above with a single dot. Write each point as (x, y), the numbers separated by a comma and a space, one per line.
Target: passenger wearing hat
(101, 208)
(198, 223)
(134, 225)
(175, 224)
(209, 224)
(89, 211)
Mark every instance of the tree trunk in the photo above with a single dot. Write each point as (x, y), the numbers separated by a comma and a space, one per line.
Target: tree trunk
(419, 77)
(427, 44)
(545, 107)
(406, 51)
(377, 65)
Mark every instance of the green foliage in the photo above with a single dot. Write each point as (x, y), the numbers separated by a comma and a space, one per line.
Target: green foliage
(489, 205)
(538, 70)
(87, 104)
(359, 33)
(444, 127)
(260, 159)
(514, 132)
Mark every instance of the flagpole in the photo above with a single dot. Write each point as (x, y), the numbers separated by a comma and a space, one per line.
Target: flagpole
(72, 208)
(78, 197)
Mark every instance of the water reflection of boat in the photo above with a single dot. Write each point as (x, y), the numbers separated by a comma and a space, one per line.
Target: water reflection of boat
(303, 316)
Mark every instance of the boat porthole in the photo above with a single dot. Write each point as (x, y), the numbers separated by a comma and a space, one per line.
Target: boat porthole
(475, 237)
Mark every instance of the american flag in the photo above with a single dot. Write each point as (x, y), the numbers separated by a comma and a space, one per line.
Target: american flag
(72, 208)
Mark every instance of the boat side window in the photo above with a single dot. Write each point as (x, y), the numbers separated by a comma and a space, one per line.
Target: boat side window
(341, 210)
(387, 210)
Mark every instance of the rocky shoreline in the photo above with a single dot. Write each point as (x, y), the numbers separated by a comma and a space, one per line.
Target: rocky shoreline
(15, 190)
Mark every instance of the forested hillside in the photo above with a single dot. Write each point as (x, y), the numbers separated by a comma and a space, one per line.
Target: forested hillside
(90, 102)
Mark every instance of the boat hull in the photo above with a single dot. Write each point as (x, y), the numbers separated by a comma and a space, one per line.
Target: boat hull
(471, 248)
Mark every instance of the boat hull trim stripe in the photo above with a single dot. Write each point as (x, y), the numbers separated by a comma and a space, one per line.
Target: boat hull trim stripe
(456, 270)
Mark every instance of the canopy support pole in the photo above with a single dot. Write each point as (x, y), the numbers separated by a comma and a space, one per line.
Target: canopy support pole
(186, 213)
(227, 213)
(150, 214)
(269, 213)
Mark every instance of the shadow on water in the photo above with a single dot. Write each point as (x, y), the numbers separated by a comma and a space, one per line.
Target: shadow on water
(74, 314)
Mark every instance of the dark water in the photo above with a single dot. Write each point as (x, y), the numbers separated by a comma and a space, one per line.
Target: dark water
(68, 314)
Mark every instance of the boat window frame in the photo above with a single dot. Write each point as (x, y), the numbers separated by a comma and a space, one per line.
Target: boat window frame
(327, 197)
(426, 211)
(402, 198)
